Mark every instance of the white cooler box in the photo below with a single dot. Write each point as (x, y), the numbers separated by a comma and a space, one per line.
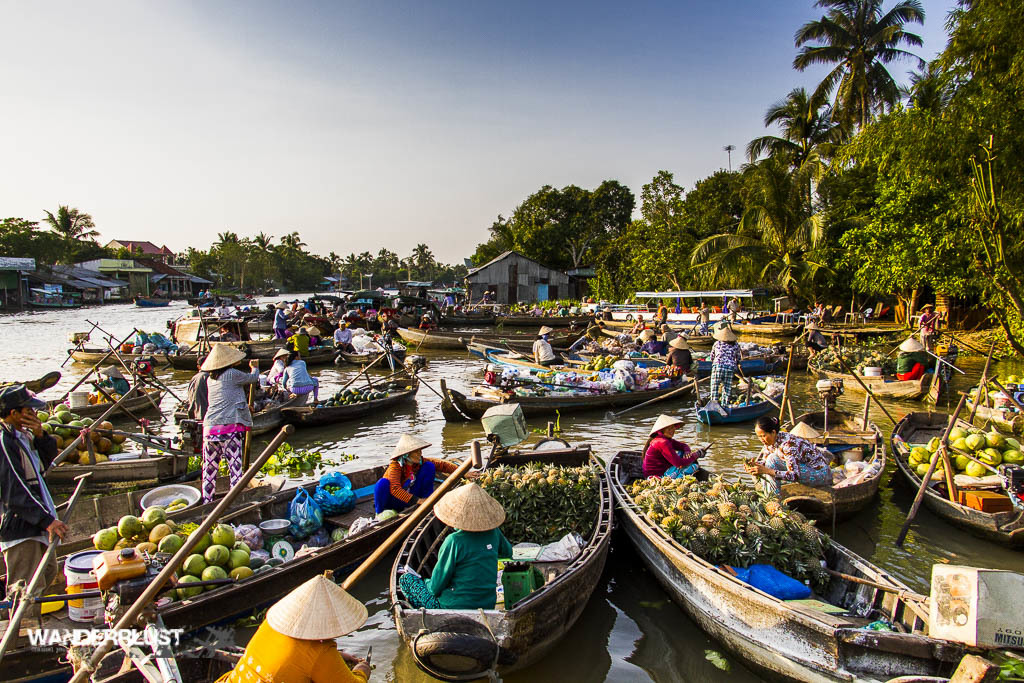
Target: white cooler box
(978, 607)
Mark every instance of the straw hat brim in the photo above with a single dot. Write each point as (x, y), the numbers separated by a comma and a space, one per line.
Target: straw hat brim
(470, 508)
(281, 306)
(927, 306)
(647, 335)
(112, 372)
(407, 443)
(544, 330)
(810, 327)
(679, 343)
(804, 431)
(319, 609)
(281, 353)
(664, 421)
(222, 356)
(314, 331)
(724, 334)
(911, 345)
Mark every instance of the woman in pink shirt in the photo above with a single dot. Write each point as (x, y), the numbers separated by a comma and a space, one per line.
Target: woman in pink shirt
(666, 457)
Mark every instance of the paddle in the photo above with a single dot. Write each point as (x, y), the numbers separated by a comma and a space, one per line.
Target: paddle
(93, 368)
(34, 584)
(928, 475)
(982, 383)
(156, 586)
(363, 371)
(412, 520)
(785, 387)
(611, 416)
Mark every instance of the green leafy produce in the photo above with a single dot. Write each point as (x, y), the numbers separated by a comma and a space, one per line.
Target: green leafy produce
(544, 503)
(856, 358)
(734, 524)
(287, 458)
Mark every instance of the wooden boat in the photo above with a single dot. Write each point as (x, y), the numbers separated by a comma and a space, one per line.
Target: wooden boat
(318, 355)
(789, 640)
(751, 367)
(308, 416)
(261, 326)
(398, 351)
(766, 330)
(481, 318)
(1005, 528)
(263, 421)
(47, 381)
(159, 468)
(542, 320)
(149, 403)
(262, 589)
(143, 302)
(437, 340)
(457, 407)
(845, 436)
(92, 356)
(738, 412)
(454, 644)
(929, 385)
(1006, 420)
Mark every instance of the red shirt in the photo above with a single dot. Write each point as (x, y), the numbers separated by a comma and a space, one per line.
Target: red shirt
(664, 453)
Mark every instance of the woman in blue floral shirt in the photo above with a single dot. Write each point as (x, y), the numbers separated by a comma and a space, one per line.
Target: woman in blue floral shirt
(725, 356)
(787, 457)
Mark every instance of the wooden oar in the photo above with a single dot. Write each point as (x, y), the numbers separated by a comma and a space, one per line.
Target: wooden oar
(157, 584)
(93, 369)
(785, 386)
(363, 371)
(248, 432)
(982, 383)
(37, 578)
(422, 339)
(73, 445)
(839, 357)
(611, 416)
(928, 475)
(412, 520)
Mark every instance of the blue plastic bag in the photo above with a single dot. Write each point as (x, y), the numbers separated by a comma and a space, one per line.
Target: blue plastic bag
(304, 514)
(767, 578)
(337, 502)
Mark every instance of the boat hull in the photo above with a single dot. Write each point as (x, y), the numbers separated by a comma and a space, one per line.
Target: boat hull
(303, 417)
(735, 413)
(887, 387)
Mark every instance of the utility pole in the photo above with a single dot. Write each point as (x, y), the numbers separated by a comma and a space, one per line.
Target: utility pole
(728, 150)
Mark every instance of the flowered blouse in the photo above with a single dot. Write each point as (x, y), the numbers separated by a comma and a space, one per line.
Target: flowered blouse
(725, 354)
(794, 451)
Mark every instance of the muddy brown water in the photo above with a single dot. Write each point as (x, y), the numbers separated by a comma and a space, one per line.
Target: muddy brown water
(630, 630)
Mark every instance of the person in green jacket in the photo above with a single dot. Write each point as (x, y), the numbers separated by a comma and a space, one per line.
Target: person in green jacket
(299, 342)
(466, 573)
(113, 379)
(912, 361)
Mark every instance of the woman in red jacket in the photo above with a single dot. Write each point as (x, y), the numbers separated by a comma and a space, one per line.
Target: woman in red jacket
(666, 457)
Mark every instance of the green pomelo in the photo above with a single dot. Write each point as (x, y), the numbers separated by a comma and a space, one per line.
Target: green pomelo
(217, 555)
(995, 440)
(184, 592)
(240, 573)
(158, 532)
(194, 565)
(990, 456)
(153, 516)
(1014, 457)
(204, 543)
(104, 539)
(171, 543)
(238, 558)
(212, 574)
(129, 526)
(975, 442)
(223, 535)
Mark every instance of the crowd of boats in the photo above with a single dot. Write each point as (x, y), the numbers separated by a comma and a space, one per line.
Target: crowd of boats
(834, 636)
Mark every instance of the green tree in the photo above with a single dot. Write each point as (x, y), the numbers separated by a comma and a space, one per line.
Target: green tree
(858, 39)
(805, 122)
(73, 227)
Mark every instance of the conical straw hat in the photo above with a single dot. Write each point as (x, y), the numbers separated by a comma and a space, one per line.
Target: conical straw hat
(222, 356)
(724, 333)
(470, 508)
(804, 431)
(679, 343)
(319, 609)
(407, 444)
(281, 306)
(281, 353)
(911, 345)
(544, 330)
(811, 326)
(314, 332)
(647, 335)
(665, 421)
(112, 372)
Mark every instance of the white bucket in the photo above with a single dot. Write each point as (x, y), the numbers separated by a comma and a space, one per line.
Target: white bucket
(80, 578)
(79, 399)
(872, 372)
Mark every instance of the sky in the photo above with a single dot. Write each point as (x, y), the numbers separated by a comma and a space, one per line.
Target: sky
(376, 124)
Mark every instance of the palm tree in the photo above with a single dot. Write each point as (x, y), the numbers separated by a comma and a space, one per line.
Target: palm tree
(806, 125)
(292, 241)
(226, 237)
(72, 226)
(858, 39)
(263, 242)
(776, 238)
(423, 259)
(930, 89)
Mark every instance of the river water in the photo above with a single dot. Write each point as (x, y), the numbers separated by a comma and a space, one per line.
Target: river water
(630, 630)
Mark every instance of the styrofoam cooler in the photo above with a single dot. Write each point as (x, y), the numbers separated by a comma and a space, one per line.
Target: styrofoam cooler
(872, 372)
(78, 399)
(978, 607)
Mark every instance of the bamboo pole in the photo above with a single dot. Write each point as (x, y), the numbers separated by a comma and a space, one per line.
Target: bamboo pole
(93, 369)
(154, 588)
(248, 433)
(870, 393)
(412, 520)
(928, 475)
(610, 415)
(785, 387)
(982, 383)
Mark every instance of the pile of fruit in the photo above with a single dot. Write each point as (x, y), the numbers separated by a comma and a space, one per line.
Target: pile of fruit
(96, 398)
(734, 524)
(218, 555)
(62, 423)
(544, 503)
(598, 363)
(991, 448)
(1012, 384)
(152, 532)
(350, 396)
(856, 358)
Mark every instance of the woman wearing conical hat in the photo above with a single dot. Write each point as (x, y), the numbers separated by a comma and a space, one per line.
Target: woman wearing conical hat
(789, 456)
(409, 476)
(928, 324)
(466, 572)
(725, 356)
(113, 379)
(227, 417)
(679, 355)
(295, 643)
(664, 456)
(650, 344)
(912, 360)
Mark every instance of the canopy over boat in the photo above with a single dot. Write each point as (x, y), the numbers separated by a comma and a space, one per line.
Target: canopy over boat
(704, 294)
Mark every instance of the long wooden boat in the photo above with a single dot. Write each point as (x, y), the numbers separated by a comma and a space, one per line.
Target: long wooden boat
(261, 326)
(738, 412)
(542, 320)
(453, 319)
(143, 302)
(766, 330)
(1002, 419)
(263, 421)
(149, 403)
(146, 468)
(789, 640)
(847, 437)
(1005, 528)
(92, 356)
(929, 385)
(308, 416)
(262, 589)
(398, 351)
(457, 407)
(438, 340)
(457, 644)
(319, 355)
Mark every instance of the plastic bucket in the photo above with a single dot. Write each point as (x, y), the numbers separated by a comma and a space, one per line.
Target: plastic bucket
(80, 577)
(79, 399)
(872, 372)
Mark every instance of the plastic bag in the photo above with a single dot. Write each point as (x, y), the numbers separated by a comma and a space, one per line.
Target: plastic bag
(563, 550)
(334, 494)
(251, 535)
(304, 514)
(319, 539)
(767, 578)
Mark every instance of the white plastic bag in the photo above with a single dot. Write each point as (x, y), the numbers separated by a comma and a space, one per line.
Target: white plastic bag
(563, 550)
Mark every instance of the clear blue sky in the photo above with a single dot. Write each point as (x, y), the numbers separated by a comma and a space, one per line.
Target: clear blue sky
(369, 125)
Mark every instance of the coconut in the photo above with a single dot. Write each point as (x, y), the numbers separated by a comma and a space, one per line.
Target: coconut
(158, 532)
(184, 592)
(212, 574)
(217, 555)
(237, 558)
(995, 440)
(104, 539)
(223, 535)
(975, 442)
(170, 544)
(194, 565)
(154, 516)
(240, 573)
(129, 526)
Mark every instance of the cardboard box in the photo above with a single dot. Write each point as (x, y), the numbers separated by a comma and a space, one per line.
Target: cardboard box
(977, 607)
(986, 501)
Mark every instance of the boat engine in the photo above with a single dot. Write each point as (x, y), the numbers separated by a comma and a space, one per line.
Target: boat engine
(829, 390)
(1013, 481)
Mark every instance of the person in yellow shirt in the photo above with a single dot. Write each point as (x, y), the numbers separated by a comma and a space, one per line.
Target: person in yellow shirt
(295, 643)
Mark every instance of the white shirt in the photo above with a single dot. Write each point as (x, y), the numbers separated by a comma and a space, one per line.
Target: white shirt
(343, 336)
(542, 351)
(224, 312)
